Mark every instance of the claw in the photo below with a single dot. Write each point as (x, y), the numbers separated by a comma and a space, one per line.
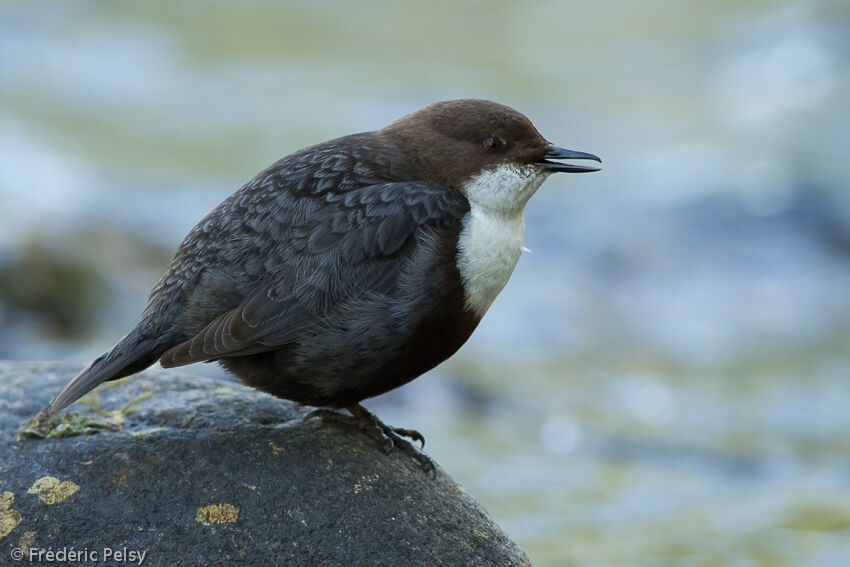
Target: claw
(390, 437)
(411, 433)
(396, 435)
(315, 414)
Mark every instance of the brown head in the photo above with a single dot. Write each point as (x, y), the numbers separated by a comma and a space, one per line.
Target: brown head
(451, 142)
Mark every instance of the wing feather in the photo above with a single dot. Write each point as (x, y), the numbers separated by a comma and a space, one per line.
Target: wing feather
(377, 222)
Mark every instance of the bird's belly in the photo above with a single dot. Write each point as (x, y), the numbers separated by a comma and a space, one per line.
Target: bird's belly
(361, 354)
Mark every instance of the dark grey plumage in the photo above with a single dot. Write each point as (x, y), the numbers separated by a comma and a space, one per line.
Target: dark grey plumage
(335, 274)
(270, 282)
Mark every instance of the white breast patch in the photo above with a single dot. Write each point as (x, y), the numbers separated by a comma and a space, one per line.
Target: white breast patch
(493, 231)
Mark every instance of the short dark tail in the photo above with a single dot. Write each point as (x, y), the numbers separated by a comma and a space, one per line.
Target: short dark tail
(133, 353)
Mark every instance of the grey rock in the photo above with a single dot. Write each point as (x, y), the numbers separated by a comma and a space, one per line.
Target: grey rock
(195, 471)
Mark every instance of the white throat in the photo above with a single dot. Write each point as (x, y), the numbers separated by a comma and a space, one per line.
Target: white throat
(493, 231)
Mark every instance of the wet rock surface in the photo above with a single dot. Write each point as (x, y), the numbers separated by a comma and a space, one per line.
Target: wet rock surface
(193, 471)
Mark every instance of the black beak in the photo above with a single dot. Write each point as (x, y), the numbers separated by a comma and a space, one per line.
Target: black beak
(560, 153)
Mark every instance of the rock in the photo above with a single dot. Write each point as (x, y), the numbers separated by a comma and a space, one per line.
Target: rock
(194, 471)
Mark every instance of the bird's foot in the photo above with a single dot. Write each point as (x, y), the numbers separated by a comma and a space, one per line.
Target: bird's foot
(387, 435)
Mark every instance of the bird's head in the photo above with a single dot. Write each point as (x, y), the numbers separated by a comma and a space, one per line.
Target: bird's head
(488, 151)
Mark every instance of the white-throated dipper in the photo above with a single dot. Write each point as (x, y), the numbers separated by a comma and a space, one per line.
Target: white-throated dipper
(351, 267)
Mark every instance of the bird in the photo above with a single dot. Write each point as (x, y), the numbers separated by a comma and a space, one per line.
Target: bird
(351, 267)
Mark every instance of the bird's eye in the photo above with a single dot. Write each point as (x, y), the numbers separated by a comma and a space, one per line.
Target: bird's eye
(493, 144)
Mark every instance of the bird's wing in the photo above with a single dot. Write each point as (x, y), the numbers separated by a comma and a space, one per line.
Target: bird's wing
(354, 245)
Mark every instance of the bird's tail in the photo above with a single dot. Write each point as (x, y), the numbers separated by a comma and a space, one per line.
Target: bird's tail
(133, 353)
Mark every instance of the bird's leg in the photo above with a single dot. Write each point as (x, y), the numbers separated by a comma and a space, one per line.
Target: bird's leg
(358, 419)
(389, 436)
(371, 420)
(333, 416)
(394, 437)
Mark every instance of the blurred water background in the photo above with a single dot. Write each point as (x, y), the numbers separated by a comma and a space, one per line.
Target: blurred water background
(664, 381)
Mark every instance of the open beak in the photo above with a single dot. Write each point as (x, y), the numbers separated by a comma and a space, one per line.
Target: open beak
(560, 153)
